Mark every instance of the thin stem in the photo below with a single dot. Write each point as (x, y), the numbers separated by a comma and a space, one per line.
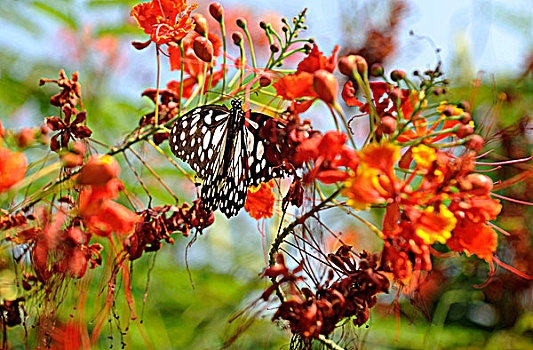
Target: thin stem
(287, 230)
(156, 122)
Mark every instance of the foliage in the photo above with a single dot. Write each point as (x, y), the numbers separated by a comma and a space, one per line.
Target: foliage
(91, 193)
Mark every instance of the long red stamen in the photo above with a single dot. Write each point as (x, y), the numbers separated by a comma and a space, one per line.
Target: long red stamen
(510, 199)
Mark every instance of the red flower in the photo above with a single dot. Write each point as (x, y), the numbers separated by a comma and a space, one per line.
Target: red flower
(13, 167)
(328, 152)
(300, 84)
(158, 19)
(260, 201)
(66, 128)
(474, 238)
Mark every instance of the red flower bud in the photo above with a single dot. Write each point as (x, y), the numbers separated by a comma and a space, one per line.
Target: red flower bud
(376, 70)
(352, 63)
(465, 105)
(217, 11)
(203, 49)
(141, 45)
(241, 22)
(448, 111)
(388, 124)
(482, 184)
(325, 85)
(25, 137)
(397, 75)
(466, 118)
(475, 143)
(396, 95)
(265, 81)
(236, 37)
(200, 24)
(464, 131)
(98, 170)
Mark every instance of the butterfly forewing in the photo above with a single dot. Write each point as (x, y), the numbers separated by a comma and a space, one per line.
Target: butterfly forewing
(198, 136)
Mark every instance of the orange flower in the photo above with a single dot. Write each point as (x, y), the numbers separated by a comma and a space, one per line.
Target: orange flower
(432, 225)
(95, 205)
(474, 238)
(158, 19)
(374, 182)
(13, 167)
(260, 201)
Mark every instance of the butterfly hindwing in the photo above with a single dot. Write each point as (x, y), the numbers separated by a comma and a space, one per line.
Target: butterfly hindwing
(259, 167)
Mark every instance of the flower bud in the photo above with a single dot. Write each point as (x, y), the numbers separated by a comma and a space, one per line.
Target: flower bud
(325, 85)
(448, 111)
(141, 45)
(98, 170)
(466, 118)
(200, 24)
(464, 131)
(349, 64)
(217, 11)
(25, 137)
(482, 184)
(388, 124)
(465, 105)
(376, 70)
(237, 38)
(396, 95)
(265, 81)
(203, 49)
(397, 75)
(241, 22)
(274, 48)
(475, 143)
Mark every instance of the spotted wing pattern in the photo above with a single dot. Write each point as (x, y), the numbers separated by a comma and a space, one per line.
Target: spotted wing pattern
(227, 153)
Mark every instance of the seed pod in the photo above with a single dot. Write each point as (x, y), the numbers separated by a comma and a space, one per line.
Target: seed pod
(203, 49)
(217, 11)
(325, 85)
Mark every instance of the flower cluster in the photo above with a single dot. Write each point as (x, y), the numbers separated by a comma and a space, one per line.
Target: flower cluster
(71, 123)
(351, 295)
(161, 222)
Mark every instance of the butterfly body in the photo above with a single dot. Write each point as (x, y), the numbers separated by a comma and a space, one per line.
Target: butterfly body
(226, 151)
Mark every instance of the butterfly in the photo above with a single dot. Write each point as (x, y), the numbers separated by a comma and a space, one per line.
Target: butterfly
(227, 153)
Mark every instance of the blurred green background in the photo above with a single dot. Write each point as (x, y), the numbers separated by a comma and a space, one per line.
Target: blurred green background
(93, 37)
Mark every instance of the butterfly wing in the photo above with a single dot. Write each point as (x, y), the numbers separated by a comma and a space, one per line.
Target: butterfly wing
(198, 138)
(264, 161)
